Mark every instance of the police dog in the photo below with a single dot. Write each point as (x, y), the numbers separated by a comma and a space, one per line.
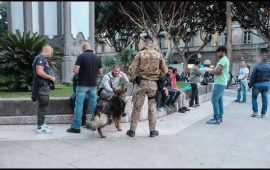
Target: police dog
(114, 107)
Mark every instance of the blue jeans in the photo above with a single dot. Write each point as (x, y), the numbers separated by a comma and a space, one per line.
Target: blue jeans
(81, 91)
(243, 89)
(173, 95)
(264, 93)
(217, 100)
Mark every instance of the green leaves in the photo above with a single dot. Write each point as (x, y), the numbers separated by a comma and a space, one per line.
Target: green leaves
(17, 52)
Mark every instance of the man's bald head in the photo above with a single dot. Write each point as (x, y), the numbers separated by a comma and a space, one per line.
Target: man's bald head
(86, 46)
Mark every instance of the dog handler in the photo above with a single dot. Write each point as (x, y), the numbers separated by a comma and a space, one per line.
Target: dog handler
(147, 65)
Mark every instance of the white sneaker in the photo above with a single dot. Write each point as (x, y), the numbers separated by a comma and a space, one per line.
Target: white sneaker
(43, 130)
(47, 126)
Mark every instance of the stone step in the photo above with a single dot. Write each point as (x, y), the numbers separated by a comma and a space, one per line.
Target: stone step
(67, 118)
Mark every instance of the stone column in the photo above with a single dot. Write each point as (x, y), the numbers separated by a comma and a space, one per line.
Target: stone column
(9, 16)
(41, 17)
(68, 60)
(59, 18)
(92, 24)
(67, 27)
(27, 8)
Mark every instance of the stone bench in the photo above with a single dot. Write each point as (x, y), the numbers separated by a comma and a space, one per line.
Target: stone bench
(24, 111)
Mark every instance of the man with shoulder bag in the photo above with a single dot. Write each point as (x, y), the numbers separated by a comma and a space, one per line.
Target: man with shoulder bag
(42, 83)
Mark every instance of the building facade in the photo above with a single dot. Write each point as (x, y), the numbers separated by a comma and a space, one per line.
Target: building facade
(67, 24)
(245, 46)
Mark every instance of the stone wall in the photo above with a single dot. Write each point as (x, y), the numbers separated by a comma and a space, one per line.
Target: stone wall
(24, 111)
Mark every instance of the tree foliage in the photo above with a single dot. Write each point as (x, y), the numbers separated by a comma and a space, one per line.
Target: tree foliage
(181, 19)
(17, 52)
(113, 27)
(3, 17)
(204, 22)
(253, 15)
(125, 58)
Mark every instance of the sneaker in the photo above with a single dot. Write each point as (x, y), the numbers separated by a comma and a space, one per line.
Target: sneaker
(43, 130)
(73, 130)
(167, 107)
(263, 116)
(46, 126)
(174, 106)
(243, 102)
(255, 114)
(131, 133)
(197, 105)
(181, 110)
(237, 101)
(154, 133)
(213, 121)
(186, 109)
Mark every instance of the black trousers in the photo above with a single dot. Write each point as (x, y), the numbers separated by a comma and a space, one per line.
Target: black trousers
(194, 94)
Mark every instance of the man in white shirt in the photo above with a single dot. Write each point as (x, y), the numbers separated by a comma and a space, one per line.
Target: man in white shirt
(243, 83)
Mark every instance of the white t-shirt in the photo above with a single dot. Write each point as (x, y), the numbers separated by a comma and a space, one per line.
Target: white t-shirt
(242, 73)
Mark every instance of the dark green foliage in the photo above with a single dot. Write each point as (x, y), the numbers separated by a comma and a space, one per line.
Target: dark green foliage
(3, 17)
(17, 52)
(113, 27)
(125, 58)
(253, 15)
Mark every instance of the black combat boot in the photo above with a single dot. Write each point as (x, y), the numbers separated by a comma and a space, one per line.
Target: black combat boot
(131, 133)
(154, 133)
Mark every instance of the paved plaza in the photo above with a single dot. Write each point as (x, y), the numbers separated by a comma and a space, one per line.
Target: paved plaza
(185, 141)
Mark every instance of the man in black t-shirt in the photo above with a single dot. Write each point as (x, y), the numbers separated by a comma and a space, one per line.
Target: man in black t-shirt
(41, 88)
(88, 66)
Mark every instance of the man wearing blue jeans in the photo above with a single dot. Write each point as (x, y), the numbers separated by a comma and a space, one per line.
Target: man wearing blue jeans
(243, 83)
(88, 66)
(221, 73)
(260, 83)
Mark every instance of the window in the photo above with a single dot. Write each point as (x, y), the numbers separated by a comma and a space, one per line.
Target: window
(247, 37)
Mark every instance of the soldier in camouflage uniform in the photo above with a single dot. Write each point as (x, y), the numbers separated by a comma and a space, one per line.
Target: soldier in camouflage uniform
(149, 65)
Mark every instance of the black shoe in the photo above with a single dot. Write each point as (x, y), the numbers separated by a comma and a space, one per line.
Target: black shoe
(124, 114)
(186, 109)
(73, 130)
(154, 133)
(131, 133)
(181, 110)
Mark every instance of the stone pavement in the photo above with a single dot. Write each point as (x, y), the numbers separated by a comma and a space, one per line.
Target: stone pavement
(185, 141)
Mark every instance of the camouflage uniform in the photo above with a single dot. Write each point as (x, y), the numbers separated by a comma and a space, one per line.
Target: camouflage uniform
(149, 64)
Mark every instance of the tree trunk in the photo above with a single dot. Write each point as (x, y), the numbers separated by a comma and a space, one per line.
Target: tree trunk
(229, 32)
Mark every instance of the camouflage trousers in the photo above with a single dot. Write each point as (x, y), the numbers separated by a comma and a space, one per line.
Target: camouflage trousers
(146, 88)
